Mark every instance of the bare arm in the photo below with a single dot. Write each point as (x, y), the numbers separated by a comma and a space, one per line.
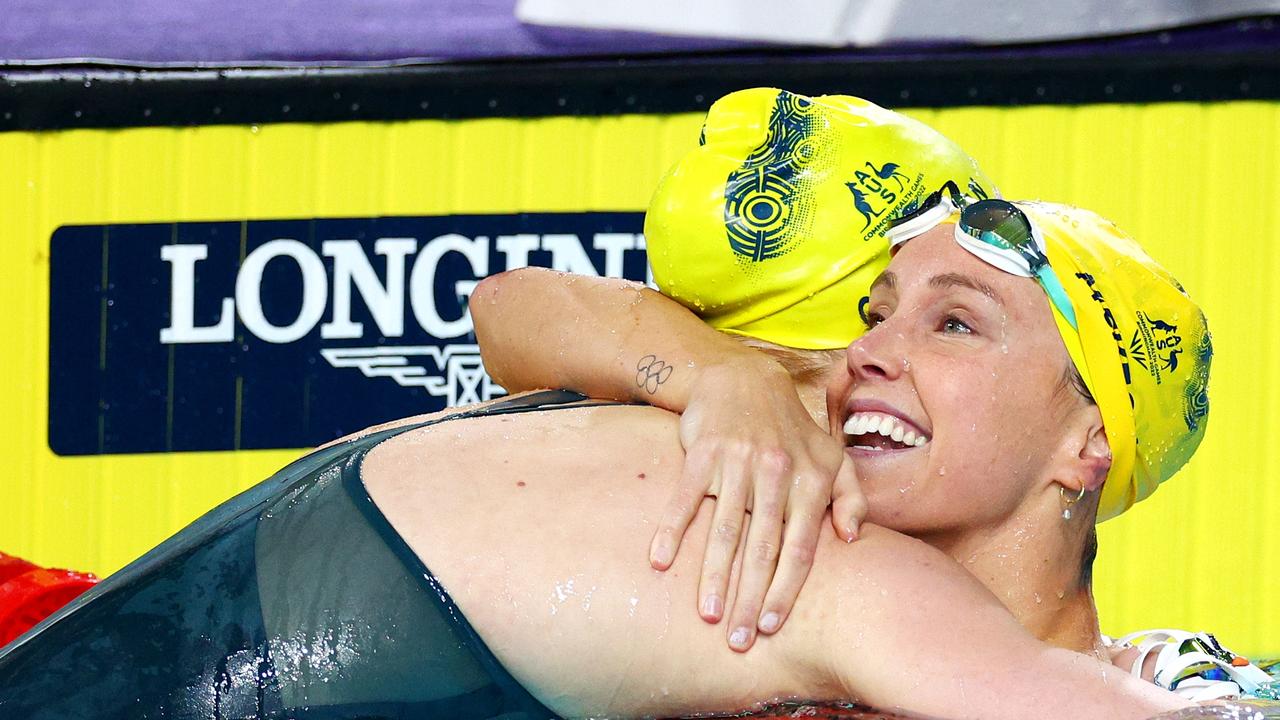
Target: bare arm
(751, 443)
(604, 337)
(923, 635)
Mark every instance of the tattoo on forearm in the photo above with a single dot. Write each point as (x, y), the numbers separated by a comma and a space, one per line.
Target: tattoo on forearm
(652, 372)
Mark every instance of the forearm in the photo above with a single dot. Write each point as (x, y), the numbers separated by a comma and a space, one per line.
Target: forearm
(600, 336)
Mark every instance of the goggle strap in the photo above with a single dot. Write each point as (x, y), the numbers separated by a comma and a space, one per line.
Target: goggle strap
(920, 224)
(1057, 294)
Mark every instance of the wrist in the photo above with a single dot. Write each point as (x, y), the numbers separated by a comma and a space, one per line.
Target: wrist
(734, 371)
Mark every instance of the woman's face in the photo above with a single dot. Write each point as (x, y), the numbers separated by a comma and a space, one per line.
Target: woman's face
(967, 361)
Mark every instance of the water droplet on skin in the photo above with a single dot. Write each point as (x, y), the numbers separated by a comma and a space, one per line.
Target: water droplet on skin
(942, 470)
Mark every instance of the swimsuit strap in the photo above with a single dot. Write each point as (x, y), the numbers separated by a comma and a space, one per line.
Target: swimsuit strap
(525, 704)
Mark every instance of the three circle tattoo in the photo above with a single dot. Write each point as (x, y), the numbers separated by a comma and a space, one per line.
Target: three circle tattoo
(652, 372)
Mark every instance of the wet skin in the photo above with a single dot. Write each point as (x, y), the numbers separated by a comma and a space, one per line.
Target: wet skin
(535, 525)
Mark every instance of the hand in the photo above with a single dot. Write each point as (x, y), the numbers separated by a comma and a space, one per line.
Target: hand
(751, 443)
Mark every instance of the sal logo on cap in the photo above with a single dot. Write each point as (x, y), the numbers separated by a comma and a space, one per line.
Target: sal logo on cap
(872, 188)
(1156, 346)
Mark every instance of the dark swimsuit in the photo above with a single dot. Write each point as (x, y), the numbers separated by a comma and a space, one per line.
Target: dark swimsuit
(295, 599)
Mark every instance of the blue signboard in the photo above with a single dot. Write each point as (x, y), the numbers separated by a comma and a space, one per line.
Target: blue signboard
(286, 333)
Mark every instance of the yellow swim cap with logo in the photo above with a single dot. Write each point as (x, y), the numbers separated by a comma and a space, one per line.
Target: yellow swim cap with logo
(1142, 346)
(774, 226)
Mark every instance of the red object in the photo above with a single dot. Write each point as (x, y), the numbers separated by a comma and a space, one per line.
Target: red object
(30, 593)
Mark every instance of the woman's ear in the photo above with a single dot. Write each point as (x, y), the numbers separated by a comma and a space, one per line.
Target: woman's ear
(1094, 455)
(1086, 451)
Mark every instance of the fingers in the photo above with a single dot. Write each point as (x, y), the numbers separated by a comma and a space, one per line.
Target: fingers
(848, 504)
(695, 479)
(760, 554)
(722, 540)
(799, 543)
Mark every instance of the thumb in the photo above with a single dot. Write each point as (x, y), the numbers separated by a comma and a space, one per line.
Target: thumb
(848, 504)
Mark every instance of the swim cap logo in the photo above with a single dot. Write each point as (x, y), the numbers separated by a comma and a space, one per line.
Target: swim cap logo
(873, 186)
(1156, 346)
(880, 202)
(1195, 396)
(767, 199)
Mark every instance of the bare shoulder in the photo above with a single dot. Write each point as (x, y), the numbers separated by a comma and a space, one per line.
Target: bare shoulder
(904, 562)
(911, 588)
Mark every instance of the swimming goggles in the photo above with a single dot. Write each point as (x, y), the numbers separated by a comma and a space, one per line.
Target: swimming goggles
(994, 230)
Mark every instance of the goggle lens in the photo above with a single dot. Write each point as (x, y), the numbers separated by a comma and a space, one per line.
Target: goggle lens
(998, 223)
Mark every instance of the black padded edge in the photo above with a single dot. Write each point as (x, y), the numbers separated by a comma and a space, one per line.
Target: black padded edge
(96, 96)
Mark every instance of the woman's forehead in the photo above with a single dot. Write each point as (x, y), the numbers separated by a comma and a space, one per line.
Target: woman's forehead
(934, 260)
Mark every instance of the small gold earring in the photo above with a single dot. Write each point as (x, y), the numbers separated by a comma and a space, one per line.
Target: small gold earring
(1066, 513)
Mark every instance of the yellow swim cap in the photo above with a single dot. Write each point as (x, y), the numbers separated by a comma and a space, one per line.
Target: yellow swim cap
(774, 226)
(1142, 347)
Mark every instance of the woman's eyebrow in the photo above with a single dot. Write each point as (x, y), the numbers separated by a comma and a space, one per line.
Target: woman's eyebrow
(886, 280)
(951, 280)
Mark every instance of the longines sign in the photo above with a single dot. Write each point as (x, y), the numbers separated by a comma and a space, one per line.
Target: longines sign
(286, 333)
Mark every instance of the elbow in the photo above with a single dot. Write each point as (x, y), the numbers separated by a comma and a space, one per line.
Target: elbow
(488, 290)
(498, 314)
(484, 301)
(492, 289)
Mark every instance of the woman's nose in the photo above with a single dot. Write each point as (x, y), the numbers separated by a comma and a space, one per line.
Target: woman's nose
(877, 354)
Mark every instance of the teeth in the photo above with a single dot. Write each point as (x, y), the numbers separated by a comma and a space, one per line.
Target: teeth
(886, 425)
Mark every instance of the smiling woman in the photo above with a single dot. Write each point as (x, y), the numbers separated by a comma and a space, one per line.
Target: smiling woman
(969, 421)
(990, 411)
(969, 357)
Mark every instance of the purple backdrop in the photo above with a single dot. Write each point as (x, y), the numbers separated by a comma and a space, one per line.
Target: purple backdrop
(252, 31)
(273, 32)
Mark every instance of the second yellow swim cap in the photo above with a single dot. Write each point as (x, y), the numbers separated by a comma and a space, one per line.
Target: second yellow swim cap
(774, 226)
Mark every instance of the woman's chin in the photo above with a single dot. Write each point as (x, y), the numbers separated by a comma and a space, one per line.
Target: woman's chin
(893, 494)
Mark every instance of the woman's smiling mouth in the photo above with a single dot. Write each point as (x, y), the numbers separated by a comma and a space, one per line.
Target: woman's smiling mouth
(875, 430)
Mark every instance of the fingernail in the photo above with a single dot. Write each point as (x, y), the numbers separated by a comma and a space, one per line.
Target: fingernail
(738, 638)
(658, 555)
(711, 606)
(769, 622)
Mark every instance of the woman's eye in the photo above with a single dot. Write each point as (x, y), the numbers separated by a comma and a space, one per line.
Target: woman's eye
(874, 319)
(953, 324)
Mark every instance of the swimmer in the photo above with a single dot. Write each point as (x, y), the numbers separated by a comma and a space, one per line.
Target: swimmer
(969, 330)
(729, 432)
(481, 565)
